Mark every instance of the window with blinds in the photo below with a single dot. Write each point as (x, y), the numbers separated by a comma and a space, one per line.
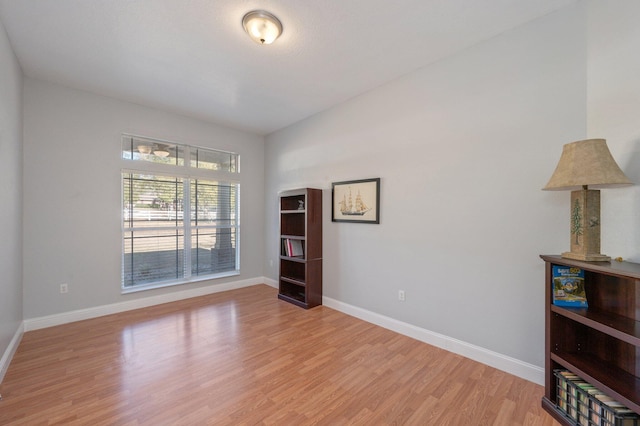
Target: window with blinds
(180, 219)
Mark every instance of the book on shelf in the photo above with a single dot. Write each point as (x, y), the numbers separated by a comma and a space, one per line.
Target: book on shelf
(293, 248)
(568, 287)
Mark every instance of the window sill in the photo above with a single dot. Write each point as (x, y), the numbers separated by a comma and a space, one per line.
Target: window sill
(163, 284)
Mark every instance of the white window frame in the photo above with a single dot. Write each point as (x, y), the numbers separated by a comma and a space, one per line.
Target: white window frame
(189, 175)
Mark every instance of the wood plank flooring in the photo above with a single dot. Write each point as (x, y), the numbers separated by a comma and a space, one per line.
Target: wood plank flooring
(243, 357)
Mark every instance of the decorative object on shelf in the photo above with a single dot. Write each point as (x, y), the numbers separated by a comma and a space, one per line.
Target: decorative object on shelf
(356, 201)
(568, 287)
(300, 204)
(262, 26)
(585, 164)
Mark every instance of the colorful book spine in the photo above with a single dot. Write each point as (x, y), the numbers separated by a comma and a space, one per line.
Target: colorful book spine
(292, 248)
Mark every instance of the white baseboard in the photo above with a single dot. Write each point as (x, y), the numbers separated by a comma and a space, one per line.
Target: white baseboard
(270, 282)
(10, 351)
(98, 311)
(505, 363)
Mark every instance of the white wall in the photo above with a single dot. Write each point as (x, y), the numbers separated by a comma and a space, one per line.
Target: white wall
(11, 196)
(72, 194)
(614, 114)
(463, 148)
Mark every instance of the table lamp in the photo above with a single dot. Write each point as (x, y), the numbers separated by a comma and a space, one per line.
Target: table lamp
(585, 164)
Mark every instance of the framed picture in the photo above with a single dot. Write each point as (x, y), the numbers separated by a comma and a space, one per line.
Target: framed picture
(356, 201)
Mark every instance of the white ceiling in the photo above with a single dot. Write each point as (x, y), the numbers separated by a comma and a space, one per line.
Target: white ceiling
(193, 57)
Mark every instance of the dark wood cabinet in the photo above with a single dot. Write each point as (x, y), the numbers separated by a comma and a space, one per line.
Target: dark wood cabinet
(600, 343)
(300, 277)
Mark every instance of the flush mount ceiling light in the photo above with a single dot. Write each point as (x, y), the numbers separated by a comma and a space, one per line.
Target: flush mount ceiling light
(161, 151)
(262, 26)
(155, 149)
(144, 149)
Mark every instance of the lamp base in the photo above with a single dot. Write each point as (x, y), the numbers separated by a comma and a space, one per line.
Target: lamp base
(588, 257)
(585, 227)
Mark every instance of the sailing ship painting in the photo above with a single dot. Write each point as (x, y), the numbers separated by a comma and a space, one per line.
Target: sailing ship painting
(356, 201)
(349, 208)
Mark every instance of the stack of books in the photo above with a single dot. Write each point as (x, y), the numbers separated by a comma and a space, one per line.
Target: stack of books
(586, 405)
(292, 248)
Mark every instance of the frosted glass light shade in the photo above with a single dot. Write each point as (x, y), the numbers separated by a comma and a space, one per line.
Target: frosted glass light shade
(262, 26)
(144, 149)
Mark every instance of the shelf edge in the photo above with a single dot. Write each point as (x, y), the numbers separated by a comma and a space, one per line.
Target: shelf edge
(556, 413)
(574, 315)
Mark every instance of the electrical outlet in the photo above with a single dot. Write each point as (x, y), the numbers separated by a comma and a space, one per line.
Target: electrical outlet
(64, 288)
(401, 295)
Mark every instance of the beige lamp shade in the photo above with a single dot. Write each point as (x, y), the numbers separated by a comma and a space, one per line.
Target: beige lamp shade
(589, 163)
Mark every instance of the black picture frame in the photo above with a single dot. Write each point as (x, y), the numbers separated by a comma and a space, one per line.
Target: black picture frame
(356, 201)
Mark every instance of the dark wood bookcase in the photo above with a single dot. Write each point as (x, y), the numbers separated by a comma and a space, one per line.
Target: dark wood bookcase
(601, 343)
(300, 277)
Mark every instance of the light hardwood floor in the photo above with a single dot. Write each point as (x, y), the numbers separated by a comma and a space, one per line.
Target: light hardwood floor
(243, 357)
